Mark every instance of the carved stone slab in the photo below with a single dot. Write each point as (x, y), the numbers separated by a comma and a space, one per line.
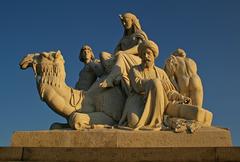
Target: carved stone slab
(163, 154)
(116, 138)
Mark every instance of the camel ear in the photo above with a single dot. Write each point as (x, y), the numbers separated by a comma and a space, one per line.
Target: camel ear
(45, 54)
(120, 16)
(58, 54)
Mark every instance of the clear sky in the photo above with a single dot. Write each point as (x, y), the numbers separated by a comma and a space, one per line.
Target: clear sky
(209, 31)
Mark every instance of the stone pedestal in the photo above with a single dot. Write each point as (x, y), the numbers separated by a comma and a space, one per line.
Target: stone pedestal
(116, 138)
(163, 154)
(115, 145)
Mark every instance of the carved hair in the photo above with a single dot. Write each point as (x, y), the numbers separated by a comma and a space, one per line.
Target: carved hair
(179, 52)
(52, 74)
(171, 64)
(135, 22)
(50, 69)
(82, 54)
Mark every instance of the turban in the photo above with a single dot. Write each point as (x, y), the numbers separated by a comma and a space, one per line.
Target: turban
(148, 44)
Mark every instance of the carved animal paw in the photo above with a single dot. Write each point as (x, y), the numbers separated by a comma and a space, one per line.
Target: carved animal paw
(79, 121)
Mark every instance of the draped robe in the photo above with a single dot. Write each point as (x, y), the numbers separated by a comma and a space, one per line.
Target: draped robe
(148, 100)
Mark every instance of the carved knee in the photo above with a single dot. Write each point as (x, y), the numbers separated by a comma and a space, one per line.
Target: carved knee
(132, 119)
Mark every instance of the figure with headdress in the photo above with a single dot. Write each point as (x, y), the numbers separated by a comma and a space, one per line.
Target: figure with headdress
(125, 54)
(91, 71)
(145, 106)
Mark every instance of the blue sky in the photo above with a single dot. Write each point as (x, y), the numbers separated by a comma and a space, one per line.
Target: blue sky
(209, 31)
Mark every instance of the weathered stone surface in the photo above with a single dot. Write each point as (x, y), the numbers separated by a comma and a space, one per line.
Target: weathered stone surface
(204, 137)
(164, 154)
(119, 154)
(13, 154)
(111, 90)
(229, 154)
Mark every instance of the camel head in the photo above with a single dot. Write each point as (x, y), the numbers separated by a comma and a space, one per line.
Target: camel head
(41, 58)
(48, 67)
(28, 61)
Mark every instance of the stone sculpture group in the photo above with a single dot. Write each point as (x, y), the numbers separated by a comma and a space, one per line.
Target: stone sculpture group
(125, 89)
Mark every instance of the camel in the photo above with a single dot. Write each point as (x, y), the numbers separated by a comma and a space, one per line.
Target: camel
(80, 108)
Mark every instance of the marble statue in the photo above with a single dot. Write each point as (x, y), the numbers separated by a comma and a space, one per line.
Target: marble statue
(123, 89)
(80, 108)
(125, 54)
(150, 84)
(182, 71)
(152, 93)
(91, 71)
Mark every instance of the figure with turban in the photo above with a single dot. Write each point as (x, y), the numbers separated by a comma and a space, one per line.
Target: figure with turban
(145, 106)
(125, 54)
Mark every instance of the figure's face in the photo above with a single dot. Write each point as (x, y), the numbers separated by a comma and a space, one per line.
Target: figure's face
(87, 56)
(147, 57)
(127, 22)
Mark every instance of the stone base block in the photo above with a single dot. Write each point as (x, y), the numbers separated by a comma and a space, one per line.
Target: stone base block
(163, 154)
(116, 138)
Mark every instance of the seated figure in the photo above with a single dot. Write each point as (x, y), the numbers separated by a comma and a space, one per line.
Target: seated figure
(150, 87)
(91, 70)
(125, 55)
(153, 96)
(182, 71)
